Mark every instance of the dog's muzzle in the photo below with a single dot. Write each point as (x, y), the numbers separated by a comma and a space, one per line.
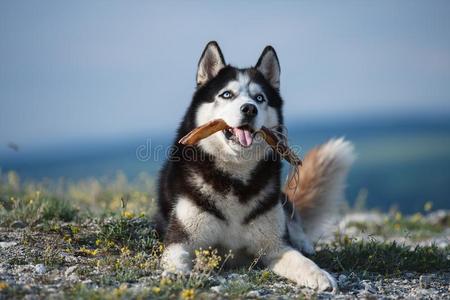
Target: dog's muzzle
(242, 135)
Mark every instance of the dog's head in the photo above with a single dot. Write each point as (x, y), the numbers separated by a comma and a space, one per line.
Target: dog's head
(246, 99)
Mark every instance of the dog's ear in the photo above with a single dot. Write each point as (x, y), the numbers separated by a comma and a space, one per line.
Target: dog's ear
(211, 62)
(269, 66)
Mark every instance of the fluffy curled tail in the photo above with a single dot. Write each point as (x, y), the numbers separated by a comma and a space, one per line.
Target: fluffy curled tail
(322, 182)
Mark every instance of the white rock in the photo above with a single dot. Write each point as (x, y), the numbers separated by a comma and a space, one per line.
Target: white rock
(5, 245)
(69, 258)
(70, 270)
(368, 288)
(424, 281)
(221, 279)
(253, 294)
(233, 276)
(437, 217)
(217, 289)
(40, 269)
(361, 217)
(342, 278)
(73, 278)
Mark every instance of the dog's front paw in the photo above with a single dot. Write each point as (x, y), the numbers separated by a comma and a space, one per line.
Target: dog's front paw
(176, 259)
(317, 279)
(178, 267)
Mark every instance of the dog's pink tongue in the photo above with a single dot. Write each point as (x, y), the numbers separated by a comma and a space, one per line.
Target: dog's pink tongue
(244, 136)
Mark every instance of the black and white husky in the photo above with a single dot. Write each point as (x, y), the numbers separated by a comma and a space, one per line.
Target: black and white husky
(225, 192)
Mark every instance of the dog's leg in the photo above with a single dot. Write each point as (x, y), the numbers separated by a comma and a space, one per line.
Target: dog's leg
(290, 263)
(177, 257)
(297, 236)
(189, 229)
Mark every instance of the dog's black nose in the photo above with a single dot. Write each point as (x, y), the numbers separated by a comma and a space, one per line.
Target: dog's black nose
(249, 110)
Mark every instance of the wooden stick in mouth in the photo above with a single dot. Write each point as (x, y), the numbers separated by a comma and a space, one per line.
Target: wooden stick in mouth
(280, 146)
(203, 131)
(268, 135)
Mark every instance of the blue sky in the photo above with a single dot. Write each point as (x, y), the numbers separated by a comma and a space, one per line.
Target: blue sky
(104, 69)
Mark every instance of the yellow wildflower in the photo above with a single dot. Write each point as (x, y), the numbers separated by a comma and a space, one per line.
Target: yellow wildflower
(265, 275)
(3, 285)
(125, 251)
(89, 251)
(416, 217)
(128, 214)
(165, 281)
(74, 229)
(188, 294)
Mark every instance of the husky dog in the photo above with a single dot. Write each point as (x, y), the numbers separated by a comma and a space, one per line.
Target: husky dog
(225, 192)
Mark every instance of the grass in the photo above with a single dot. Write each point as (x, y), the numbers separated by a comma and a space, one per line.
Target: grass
(135, 233)
(415, 227)
(116, 246)
(35, 209)
(37, 202)
(383, 258)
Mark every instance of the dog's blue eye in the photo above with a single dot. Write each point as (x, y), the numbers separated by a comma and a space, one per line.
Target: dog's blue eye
(259, 98)
(226, 95)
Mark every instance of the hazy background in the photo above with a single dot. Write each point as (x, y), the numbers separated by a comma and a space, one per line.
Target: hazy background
(83, 84)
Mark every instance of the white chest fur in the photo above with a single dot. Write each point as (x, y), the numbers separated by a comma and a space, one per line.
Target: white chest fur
(207, 230)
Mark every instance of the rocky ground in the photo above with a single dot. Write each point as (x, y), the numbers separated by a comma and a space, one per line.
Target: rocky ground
(108, 258)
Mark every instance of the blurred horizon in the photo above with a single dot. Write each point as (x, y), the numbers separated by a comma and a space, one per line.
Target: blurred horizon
(401, 163)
